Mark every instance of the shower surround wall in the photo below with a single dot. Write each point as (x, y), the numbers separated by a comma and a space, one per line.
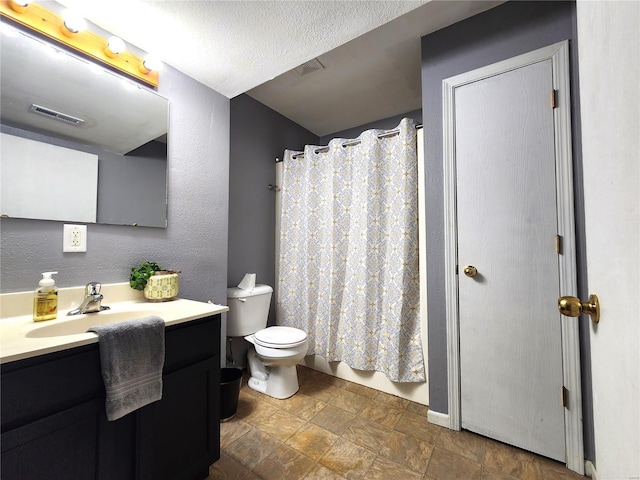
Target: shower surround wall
(195, 240)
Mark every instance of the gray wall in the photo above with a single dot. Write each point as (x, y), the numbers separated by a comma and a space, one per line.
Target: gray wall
(259, 135)
(195, 240)
(503, 32)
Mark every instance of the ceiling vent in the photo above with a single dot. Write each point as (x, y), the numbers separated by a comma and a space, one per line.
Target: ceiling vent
(311, 66)
(61, 117)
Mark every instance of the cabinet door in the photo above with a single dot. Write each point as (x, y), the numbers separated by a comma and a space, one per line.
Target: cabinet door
(60, 446)
(41, 386)
(179, 436)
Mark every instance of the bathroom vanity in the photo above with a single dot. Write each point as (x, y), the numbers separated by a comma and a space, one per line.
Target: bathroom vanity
(54, 424)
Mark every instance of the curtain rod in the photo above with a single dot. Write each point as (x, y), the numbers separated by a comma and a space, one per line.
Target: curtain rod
(350, 143)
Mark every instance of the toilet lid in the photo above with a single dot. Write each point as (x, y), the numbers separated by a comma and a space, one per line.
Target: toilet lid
(280, 337)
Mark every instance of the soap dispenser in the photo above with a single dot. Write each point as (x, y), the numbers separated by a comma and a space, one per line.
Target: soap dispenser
(45, 301)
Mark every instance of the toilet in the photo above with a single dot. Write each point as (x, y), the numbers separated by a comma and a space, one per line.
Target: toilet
(273, 351)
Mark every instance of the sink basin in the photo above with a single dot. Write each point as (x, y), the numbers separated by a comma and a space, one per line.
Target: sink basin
(77, 324)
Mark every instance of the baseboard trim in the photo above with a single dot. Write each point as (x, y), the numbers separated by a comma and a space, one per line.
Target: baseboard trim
(437, 418)
(590, 470)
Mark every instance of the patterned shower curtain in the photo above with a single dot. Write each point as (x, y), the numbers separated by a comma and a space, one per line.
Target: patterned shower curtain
(348, 267)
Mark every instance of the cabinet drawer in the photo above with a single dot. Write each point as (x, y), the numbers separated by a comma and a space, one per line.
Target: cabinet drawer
(191, 342)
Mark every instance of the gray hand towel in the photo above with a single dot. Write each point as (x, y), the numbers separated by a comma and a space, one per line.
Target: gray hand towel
(132, 358)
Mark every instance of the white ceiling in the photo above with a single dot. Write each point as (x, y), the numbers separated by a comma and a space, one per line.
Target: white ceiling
(250, 46)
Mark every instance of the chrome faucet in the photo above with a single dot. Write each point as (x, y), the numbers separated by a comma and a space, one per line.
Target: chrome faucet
(91, 302)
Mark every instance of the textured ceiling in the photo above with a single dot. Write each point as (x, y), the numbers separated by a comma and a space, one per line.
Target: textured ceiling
(235, 46)
(376, 75)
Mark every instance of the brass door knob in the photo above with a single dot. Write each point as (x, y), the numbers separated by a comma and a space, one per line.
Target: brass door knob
(573, 307)
(470, 271)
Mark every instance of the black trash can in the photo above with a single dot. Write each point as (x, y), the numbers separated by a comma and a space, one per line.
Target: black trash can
(230, 381)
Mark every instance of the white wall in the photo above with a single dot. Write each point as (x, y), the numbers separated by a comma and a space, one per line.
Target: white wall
(609, 53)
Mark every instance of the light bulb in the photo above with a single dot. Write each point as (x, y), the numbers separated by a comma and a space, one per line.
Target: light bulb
(73, 23)
(115, 46)
(150, 63)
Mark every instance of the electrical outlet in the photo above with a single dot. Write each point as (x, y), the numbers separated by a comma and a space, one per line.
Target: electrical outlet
(74, 238)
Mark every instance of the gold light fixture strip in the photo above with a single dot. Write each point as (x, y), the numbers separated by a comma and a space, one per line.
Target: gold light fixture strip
(43, 21)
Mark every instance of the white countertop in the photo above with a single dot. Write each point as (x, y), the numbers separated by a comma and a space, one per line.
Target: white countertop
(21, 337)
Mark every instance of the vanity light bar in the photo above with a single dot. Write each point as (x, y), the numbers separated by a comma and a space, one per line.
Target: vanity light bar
(62, 117)
(46, 22)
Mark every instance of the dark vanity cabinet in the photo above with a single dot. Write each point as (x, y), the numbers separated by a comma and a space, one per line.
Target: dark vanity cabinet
(54, 424)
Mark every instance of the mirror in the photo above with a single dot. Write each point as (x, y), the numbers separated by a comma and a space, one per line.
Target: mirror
(50, 96)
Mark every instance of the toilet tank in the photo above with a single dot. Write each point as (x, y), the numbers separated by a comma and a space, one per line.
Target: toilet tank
(248, 310)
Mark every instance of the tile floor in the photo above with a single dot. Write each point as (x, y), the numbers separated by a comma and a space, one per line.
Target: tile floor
(333, 429)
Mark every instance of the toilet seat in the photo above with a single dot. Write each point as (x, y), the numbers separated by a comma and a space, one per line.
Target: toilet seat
(280, 337)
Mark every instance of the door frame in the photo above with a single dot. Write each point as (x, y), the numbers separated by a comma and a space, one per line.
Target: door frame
(559, 55)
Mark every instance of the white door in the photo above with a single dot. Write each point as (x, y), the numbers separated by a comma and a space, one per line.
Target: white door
(510, 331)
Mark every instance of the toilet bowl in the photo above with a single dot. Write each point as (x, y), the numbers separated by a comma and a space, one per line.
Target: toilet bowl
(274, 351)
(272, 360)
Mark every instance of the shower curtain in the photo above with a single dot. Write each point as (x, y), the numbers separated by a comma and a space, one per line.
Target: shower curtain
(348, 267)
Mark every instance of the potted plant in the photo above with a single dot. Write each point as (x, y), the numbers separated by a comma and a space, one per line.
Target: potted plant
(158, 284)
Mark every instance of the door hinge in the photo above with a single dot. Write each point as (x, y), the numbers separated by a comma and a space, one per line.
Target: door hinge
(554, 98)
(565, 396)
(559, 244)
